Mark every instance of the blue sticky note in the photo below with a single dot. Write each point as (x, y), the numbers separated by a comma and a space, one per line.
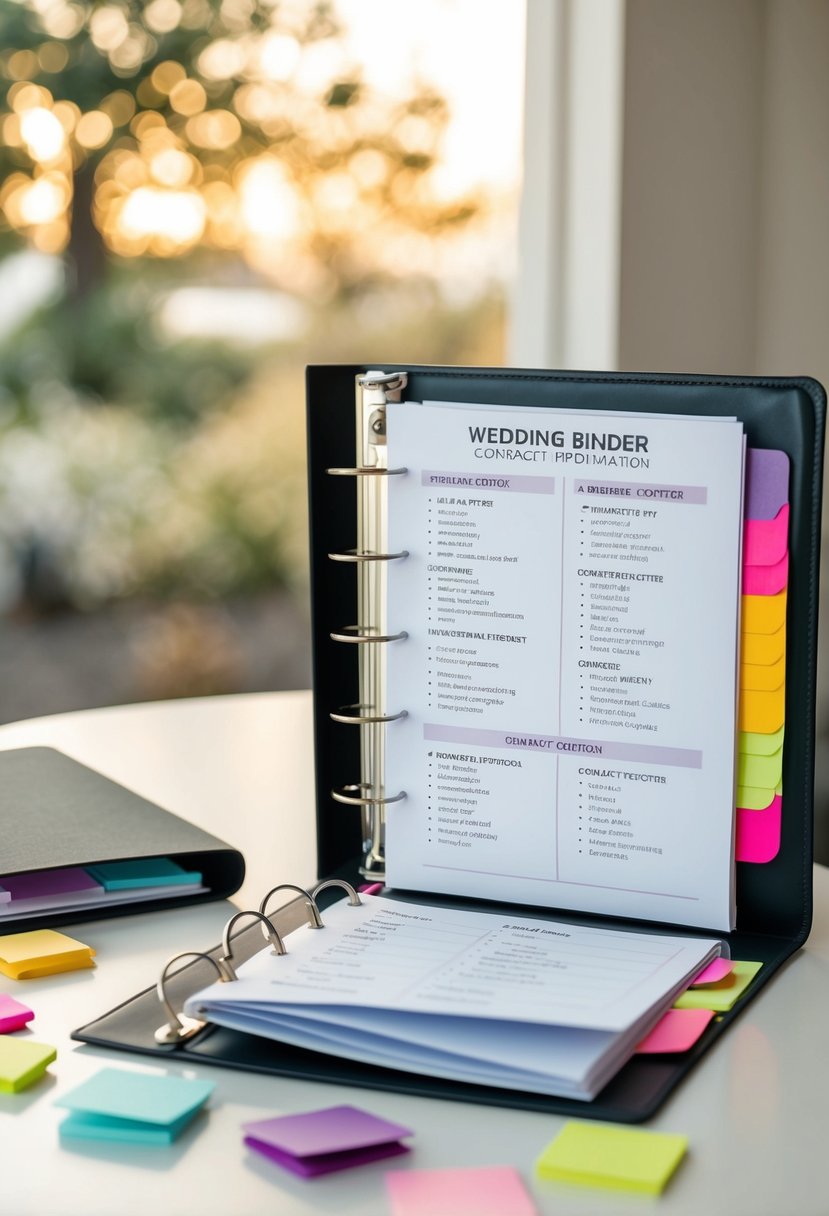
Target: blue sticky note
(142, 872)
(132, 1107)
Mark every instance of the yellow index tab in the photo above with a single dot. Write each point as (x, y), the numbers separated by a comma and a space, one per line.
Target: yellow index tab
(22, 1062)
(764, 613)
(763, 679)
(25, 956)
(763, 649)
(616, 1158)
(762, 712)
(720, 997)
(749, 744)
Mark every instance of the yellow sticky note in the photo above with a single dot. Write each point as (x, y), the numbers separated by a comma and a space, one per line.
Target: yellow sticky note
(752, 744)
(616, 1158)
(22, 1062)
(720, 997)
(762, 712)
(764, 679)
(764, 771)
(763, 613)
(24, 956)
(763, 648)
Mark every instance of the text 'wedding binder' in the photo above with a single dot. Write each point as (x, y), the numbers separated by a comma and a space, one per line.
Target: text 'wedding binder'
(357, 704)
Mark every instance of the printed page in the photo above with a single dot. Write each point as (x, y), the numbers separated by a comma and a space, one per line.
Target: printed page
(571, 604)
(412, 958)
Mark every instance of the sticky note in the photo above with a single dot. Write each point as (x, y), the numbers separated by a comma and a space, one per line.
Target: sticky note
(134, 1107)
(763, 613)
(22, 1062)
(720, 997)
(759, 744)
(616, 1158)
(766, 580)
(767, 483)
(488, 1191)
(677, 1031)
(716, 970)
(25, 956)
(752, 798)
(142, 872)
(762, 649)
(764, 771)
(765, 541)
(763, 678)
(321, 1141)
(762, 711)
(758, 833)
(13, 1014)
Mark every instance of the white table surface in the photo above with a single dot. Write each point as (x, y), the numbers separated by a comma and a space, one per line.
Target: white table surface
(754, 1110)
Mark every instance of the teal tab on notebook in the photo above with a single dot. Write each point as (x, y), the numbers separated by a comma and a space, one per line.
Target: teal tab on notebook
(132, 1107)
(142, 872)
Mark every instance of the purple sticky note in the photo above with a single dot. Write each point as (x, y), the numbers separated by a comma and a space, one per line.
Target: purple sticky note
(13, 1014)
(42, 883)
(495, 1190)
(322, 1141)
(767, 483)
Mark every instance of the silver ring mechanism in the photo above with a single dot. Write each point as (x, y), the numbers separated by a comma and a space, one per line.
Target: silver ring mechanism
(353, 634)
(311, 909)
(271, 934)
(364, 716)
(353, 898)
(178, 1028)
(358, 795)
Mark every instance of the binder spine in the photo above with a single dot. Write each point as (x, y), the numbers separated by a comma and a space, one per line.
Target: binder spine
(371, 559)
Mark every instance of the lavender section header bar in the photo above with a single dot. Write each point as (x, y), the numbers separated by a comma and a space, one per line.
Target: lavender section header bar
(558, 745)
(643, 493)
(487, 481)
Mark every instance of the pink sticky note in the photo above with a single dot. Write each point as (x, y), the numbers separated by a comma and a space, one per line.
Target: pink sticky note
(678, 1031)
(490, 1191)
(758, 832)
(766, 580)
(13, 1014)
(766, 541)
(714, 972)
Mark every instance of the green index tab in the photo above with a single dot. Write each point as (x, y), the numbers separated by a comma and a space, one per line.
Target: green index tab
(142, 872)
(616, 1158)
(721, 996)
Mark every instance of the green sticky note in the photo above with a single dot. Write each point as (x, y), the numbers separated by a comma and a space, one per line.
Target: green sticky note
(763, 771)
(752, 799)
(720, 997)
(760, 745)
(132, 1107)
(142, 872)
(616, 1158)
(22, 1062)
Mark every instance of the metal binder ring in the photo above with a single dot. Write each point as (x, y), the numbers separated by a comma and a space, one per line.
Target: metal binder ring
(353, 795)
(178, 1027)
(342, 715)
(353, 898)
(366, 471)
(270, 932)
(311, 909)
(363, 555)
(351, 633)
(389, 380)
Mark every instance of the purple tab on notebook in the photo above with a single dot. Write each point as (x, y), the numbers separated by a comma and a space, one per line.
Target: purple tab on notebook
(767, 482)
(322, 1141)
(41, 883)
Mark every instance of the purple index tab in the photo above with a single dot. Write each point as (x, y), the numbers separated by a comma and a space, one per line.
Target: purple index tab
(40, 884)
(322, 1141)
(767, 483)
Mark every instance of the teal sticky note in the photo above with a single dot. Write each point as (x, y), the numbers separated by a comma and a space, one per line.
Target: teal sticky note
(142, 872)
(132, 1107)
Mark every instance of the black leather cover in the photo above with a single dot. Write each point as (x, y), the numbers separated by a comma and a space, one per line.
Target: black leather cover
(56, 812)
(774, 901)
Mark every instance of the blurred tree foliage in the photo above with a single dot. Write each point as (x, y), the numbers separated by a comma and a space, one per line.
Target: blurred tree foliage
(214, 132)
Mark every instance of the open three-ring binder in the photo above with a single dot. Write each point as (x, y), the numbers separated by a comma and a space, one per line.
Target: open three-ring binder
(348, 477)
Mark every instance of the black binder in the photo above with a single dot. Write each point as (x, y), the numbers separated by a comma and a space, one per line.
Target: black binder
(56, 812)
(774, 900)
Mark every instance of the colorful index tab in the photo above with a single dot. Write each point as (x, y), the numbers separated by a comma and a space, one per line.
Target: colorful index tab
(615, 1158)
(25, 956)
(142, 872)
(722, 996)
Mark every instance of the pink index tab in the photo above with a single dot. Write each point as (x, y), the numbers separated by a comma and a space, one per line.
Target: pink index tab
(766, 580)
(370, 888)
(13, 1014)
(677, 1031)
(758, 833)
(766, 541)
(716, 970)
(489, 1191)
